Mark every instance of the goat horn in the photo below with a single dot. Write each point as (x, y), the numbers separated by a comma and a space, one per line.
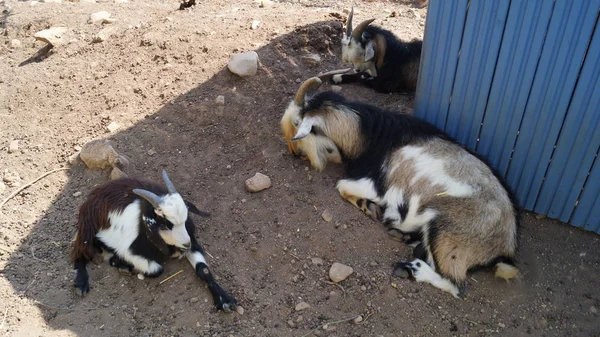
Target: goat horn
(357, 33)
(329, 74)
(304, 88)
(349, 23)
(152, 198)
(168, 183)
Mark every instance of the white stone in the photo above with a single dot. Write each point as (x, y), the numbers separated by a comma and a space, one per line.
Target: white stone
(317, 261)
(327, 216)
(51, 1)
(258, 183)
(302, 306)
(54, 36)
(2, 187)
(15, 44)
(13, 146)
(244, 64)
(77, 194)
(240, 310)
(339, 272)
(220, 100)
(98, 17)
(312, 59)
(113, 126)
(104, 34)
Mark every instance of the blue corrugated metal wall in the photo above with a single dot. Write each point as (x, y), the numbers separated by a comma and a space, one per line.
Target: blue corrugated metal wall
(519, 83)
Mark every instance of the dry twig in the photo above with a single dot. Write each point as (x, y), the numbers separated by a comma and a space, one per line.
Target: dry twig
(170, 277)
(12, 195)
(331, 323)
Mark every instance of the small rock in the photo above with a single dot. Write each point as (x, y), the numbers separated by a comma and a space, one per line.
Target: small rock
(239, 310)
(244, 64)
(193, 299)
(113, 126)
(220, 100)
(336, 88)
(51, 1)
(593, 310)
(15, 44)
(254, 24)
(117, 174)
(312, 59)
(104, 34)
(54, 36)
(11, 177)
(540, 216)
(358, 319)
(258, 183)
(502, 325)
(363, 288)
(100, 154)
(121, 1)
(317, 261)
(2, 187)
(327, 216)
(302, 306)
(98, 17)
(13, 146)
(291, 324)
(77, 194)
(151, 152)
(339, 272)
(265, 3)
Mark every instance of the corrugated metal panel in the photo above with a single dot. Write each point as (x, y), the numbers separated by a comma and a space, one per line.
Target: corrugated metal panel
(445, 23)
(587, 212)
(566, 42)
(579, 139)
(526, 28)
(519, 81)
(481, 41)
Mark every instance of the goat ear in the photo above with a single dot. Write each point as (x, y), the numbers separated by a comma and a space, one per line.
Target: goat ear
(370, 51)
(192, 208)
(304, 129)
(159, 212)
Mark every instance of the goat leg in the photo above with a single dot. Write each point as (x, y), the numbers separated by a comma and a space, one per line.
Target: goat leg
(82, 285)
(222, 300)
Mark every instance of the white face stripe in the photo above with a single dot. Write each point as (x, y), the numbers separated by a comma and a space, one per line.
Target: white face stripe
(305, 127)
(174, 210)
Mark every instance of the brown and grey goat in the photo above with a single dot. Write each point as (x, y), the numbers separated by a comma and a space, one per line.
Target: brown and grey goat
(381, 60)
(413, 177)
(140, 225)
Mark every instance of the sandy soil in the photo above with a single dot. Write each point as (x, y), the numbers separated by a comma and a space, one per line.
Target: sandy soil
(157, 77)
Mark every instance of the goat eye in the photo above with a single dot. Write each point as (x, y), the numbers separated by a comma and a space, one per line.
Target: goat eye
(329, 150)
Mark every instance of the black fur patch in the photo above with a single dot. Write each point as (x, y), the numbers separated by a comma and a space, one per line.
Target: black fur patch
(403, 210)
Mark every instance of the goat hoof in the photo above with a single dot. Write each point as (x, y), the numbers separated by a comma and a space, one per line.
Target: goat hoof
(403, 270)
(395, 234)
(225, 303)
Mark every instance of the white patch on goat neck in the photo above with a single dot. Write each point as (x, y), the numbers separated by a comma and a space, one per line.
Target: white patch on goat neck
(424, 273)
(433, 169)
(174, 210)
(195, 258)
(123, 230)
(337, 79)
(361, 188)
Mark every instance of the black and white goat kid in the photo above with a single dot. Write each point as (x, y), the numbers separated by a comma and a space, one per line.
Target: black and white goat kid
(413, 177)
(381, 60)
(140, 225)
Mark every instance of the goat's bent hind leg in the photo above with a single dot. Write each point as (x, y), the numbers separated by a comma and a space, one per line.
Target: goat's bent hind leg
(223, 301)
(361, 193)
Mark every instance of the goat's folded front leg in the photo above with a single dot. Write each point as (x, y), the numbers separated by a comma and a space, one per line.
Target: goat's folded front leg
(361, 193)
(222, 300)
(351, 78)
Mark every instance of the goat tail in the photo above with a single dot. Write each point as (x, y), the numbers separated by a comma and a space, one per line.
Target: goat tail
(83, 247)
(506, 270)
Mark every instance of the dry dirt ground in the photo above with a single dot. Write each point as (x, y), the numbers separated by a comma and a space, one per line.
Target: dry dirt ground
(158, 77)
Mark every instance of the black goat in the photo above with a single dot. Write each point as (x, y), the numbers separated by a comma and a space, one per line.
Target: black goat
(382, 61)
(140, 225)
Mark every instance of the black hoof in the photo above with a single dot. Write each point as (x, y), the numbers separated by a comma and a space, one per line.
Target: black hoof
(395, 234)
(403, 270)
(225, 302)
(82, 285)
